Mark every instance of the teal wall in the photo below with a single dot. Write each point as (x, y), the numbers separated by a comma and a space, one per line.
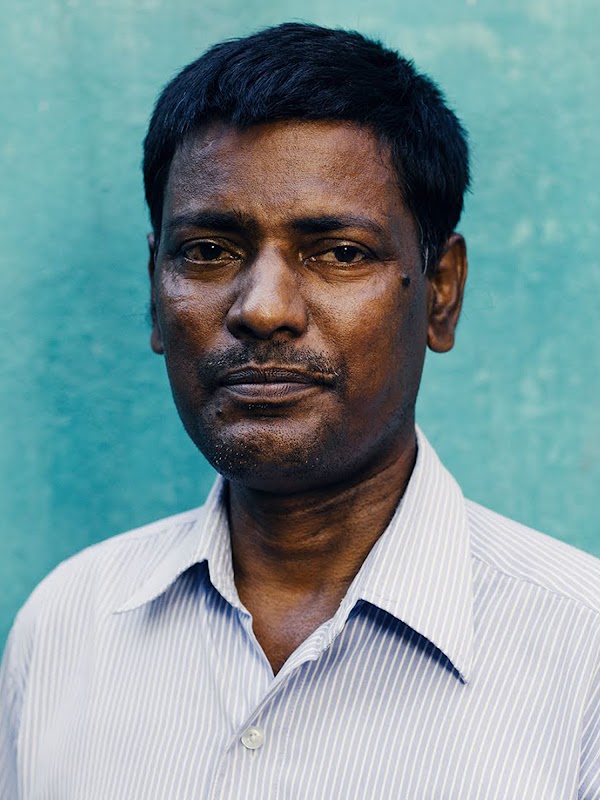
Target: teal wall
(90, 443)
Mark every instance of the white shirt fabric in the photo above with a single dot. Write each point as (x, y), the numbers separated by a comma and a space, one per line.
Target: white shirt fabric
(463, 663)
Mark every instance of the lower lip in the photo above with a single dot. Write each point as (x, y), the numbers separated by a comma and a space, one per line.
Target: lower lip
(269, 392)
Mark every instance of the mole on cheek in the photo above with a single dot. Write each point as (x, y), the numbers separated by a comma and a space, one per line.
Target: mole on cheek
(405, 281)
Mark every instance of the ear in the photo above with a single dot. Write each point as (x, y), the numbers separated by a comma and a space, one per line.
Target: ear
(155, 336)
(446, 289)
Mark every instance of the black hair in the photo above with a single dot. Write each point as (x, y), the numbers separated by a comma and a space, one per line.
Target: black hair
(297, 71)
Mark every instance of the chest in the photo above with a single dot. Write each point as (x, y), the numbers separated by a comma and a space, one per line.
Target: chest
(375, 711)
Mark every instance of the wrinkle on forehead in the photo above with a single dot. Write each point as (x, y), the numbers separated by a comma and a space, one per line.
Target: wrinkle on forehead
(285, 169)
(336, 150)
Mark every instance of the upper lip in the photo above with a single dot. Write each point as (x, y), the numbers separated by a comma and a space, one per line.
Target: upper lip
(273, 374)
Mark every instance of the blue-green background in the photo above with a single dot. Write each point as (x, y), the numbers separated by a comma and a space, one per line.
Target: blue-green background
(90, 442)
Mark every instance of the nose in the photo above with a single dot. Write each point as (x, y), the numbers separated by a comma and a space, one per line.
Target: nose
(269, 303)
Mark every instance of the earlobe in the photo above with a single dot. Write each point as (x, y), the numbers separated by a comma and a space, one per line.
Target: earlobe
(446, 290)
(155, 336)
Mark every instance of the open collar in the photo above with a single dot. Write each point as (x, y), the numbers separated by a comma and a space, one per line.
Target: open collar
(419, 570)
(206, 540)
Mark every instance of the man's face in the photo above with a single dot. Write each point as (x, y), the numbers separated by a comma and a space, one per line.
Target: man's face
(293, 345)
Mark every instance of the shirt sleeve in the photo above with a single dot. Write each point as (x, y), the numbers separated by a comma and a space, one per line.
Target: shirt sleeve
(9, 704)
(589, 773)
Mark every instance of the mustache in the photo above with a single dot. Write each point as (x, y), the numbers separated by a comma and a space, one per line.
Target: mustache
(213, 366)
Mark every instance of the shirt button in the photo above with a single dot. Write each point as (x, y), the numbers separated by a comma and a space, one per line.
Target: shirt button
(253, 738)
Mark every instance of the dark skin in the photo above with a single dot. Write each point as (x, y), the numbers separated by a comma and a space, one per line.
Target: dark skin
(290, 303)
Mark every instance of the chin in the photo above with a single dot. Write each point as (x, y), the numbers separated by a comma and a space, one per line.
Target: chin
(269, 460)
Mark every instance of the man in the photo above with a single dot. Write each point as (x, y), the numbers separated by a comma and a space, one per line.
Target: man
(336, 621)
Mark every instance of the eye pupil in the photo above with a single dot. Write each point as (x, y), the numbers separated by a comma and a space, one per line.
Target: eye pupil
(209, 251)
(345, 253)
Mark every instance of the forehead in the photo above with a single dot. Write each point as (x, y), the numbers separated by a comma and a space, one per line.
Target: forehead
(285, 168)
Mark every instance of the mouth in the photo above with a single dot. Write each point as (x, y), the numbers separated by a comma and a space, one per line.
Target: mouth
(273, 384)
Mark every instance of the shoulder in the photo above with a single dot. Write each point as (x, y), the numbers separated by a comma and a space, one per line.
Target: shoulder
(96, 580)
(117, 563)
(525, 554)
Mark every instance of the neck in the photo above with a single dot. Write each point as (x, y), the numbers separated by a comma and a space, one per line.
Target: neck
(314, 542)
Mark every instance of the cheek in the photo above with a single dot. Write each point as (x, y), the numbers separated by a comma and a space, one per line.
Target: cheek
(187, 315)
(188, 319)
(410, 340)
(384, 341)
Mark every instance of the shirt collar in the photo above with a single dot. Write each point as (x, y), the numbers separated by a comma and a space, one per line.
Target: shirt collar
(419, 570)
(207, 539)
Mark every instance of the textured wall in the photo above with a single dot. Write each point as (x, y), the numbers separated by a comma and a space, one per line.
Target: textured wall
(90, 443)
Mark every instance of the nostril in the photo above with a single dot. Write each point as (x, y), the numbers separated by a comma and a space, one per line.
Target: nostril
(262, 322)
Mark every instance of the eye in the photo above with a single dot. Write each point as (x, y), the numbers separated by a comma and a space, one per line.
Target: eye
(202, 252)
(342, 254)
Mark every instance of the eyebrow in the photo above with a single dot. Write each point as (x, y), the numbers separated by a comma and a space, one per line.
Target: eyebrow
(226, 221)
(238, 222)
(327, 224)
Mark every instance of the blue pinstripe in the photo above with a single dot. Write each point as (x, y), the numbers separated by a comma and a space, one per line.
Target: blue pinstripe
(462, 663)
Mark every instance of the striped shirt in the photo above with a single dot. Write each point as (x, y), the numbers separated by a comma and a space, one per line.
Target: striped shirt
(462, 663)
